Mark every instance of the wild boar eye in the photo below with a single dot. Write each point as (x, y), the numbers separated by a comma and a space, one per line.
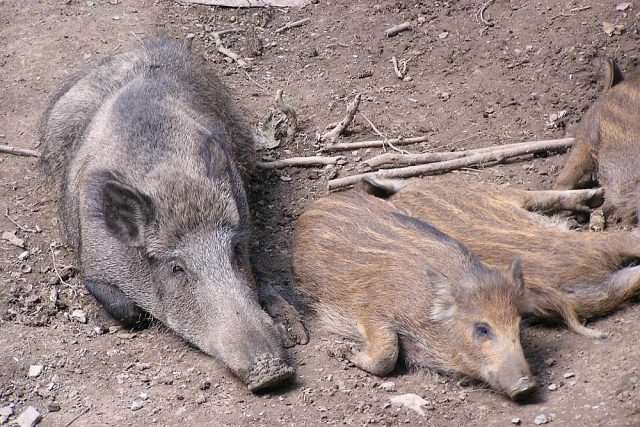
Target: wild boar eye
(482, 331)
(177, 268)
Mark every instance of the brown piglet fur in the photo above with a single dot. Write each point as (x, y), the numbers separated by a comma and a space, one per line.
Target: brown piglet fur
(406, 290)
(607, 148)
(569, 275)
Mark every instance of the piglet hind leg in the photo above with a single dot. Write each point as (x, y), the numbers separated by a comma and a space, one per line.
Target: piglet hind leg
(287, 319)
(381, 350)
(581, 167)
(562, 200)
(117, 304)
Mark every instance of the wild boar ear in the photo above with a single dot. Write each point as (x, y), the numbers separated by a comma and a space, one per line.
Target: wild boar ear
(614, 74)
(515, 272)
(127, 212)
(444, 303)
(379, 187)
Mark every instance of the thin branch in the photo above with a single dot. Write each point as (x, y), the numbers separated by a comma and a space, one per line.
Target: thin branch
(227, 52)
(481, 14)
(292, 25)
(380, 134)
(345, 146)
(18, 151)
(331, 136)
(396, 69)
(405, 26)
(423, 158)
(498, 155)
(55, 268)
(299, 162)
(255, 81)
(28, 230)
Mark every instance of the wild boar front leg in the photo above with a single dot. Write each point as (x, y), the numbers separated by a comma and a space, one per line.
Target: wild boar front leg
(381, 350)
(117, 304)
(286, 317)
(580, 168)
(562, 200)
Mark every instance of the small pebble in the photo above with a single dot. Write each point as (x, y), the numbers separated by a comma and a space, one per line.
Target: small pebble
(569, 375)
(29, 418)
(79, 316)
(53, 407)
(516, 421)
(553, 387)
(6, 411)
(144, 396)
(443, 35)
(200, 399)
(24, 255)
(35, 370)
(136, 404)
(550, 361)
(388, 386)
(540, 419)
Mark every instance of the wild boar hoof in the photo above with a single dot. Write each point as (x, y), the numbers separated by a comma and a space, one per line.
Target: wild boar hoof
(522, 389)
(269, 371)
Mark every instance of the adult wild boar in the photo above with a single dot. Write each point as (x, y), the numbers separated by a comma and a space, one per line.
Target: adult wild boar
(607, 148)
(569, 275)
(402, 287)
(147, 152)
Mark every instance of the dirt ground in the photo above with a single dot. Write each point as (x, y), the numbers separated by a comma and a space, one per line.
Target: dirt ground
(470, 85)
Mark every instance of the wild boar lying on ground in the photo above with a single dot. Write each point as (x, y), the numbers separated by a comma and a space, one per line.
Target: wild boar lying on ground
(569, 275)
(607, 148)
(404, 288)
(147, 152)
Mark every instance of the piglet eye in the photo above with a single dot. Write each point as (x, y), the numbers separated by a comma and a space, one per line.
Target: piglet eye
(482, 331)
(177, 268)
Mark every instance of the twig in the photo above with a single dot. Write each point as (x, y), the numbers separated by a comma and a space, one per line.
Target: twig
(227, 52)
(55, 268)
(405, 26)
(18, 151)
(400, 73)
(299, 162)
(499, 155)
(330, 136)
(292, 25)
(579, 9)
(480, 14)
(254, 81)
(380, 134)
(418, 159)
(28, 230)
(84, 411)
(345, 146)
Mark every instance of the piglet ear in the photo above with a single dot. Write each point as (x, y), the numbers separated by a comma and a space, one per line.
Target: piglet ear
(127, 212)
(515, 272)
(444, 304)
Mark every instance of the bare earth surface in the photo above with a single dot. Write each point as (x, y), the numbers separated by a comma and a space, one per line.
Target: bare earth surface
(470, 86)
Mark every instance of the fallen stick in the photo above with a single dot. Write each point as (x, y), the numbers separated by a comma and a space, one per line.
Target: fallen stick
(399, 73)
(481, 14)
(18, 151)
(299, 162)
(292, 25)
(419, 159)
(498, 155)
(227, 52)
(345, 146)
(330, 136)
(390, 32)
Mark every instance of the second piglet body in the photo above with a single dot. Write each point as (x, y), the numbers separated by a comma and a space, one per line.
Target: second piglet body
(404, 288)
(607, 147)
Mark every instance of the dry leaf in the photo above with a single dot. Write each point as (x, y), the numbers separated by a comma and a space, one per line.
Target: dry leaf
(623, 6)
(10, 236)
